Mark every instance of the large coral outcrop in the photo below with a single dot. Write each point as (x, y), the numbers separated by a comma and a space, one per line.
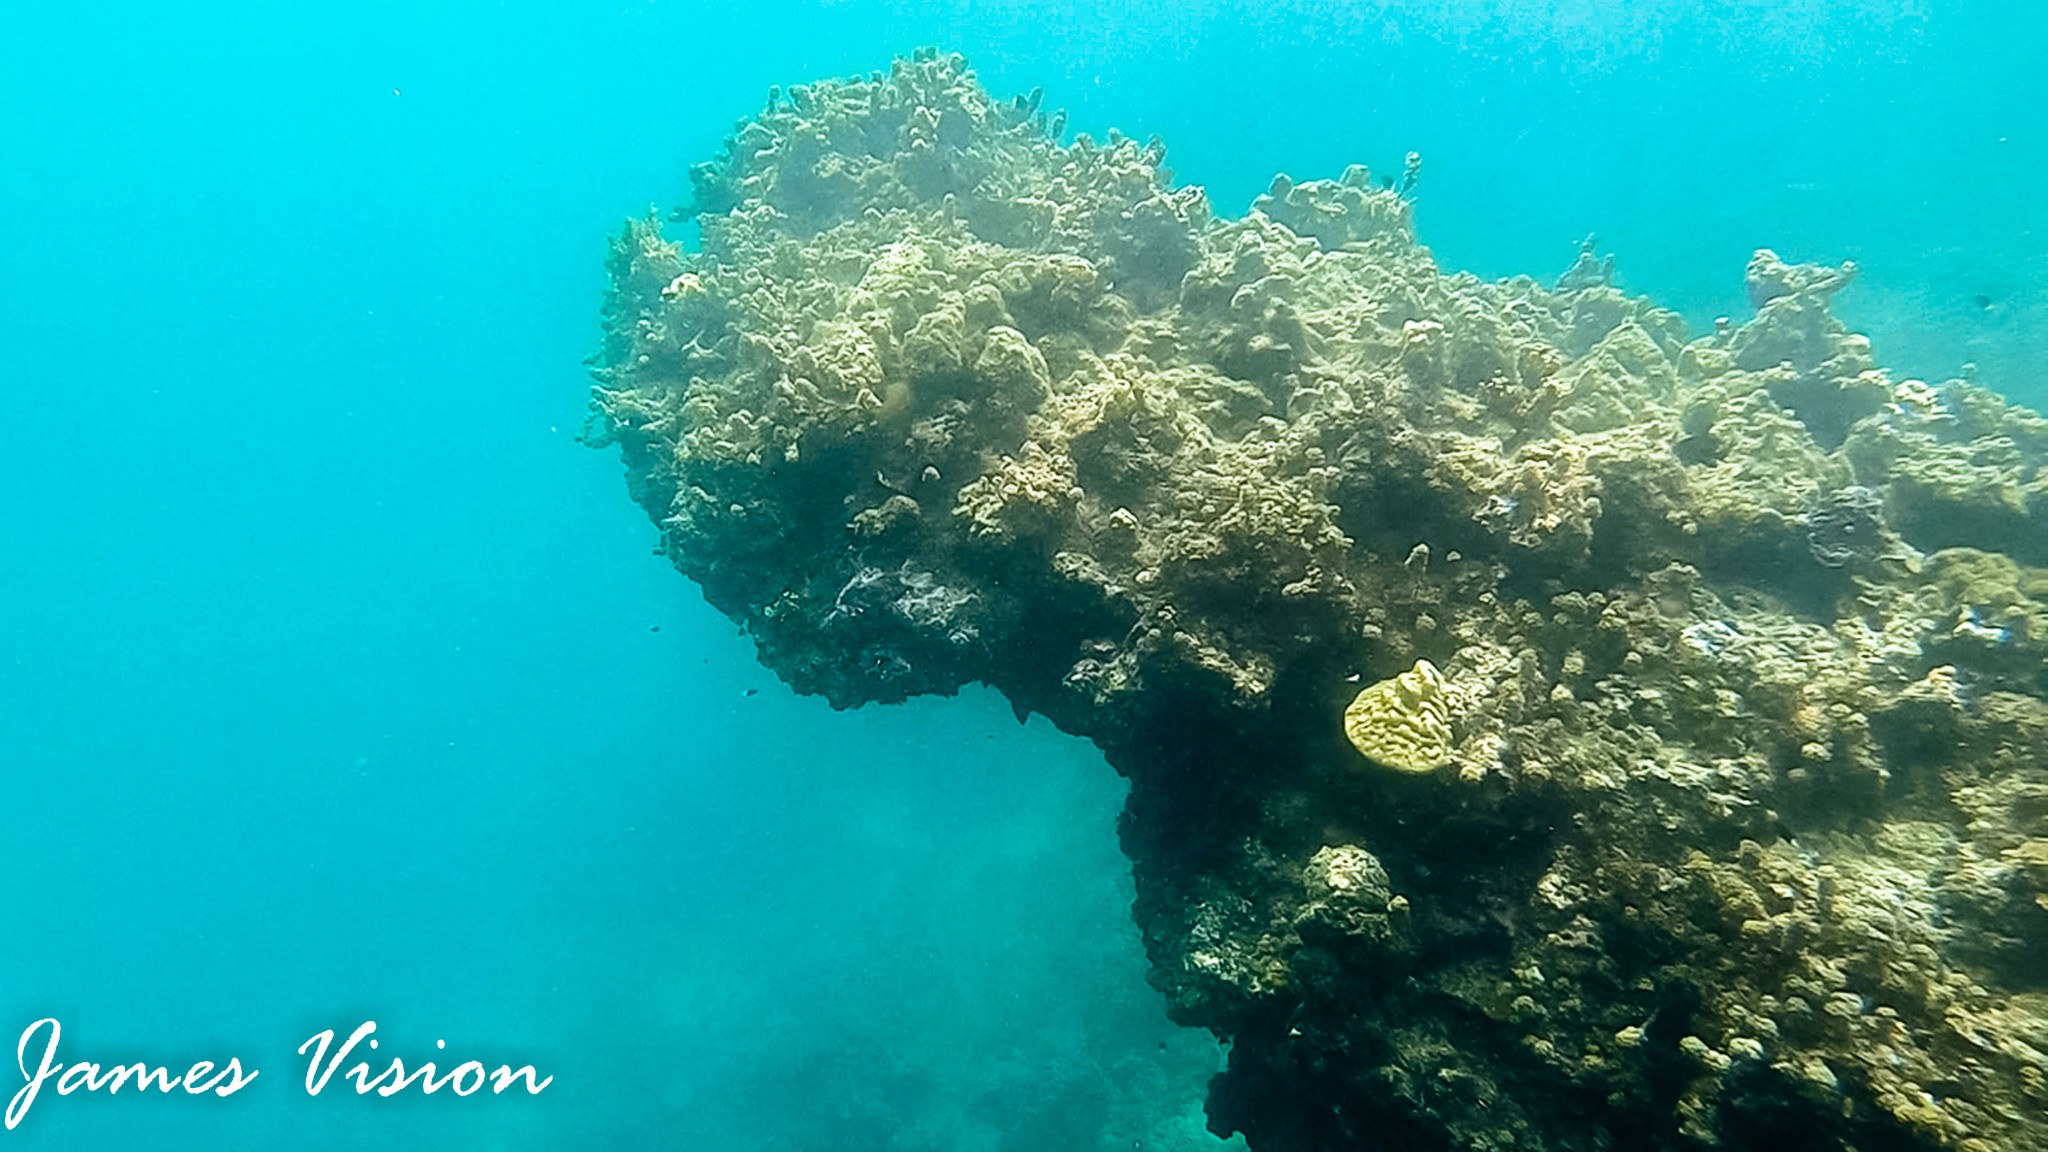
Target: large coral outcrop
(1729, 823)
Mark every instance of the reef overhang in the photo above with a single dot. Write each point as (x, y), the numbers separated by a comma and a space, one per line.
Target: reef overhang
(1719, 817)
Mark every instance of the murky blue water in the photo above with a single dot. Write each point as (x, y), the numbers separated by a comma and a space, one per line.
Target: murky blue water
(337, 683)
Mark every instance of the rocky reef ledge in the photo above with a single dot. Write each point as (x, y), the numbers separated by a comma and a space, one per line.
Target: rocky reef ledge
(1546, 730)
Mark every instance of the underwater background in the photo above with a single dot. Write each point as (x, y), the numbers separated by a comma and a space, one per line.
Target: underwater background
(338, 683)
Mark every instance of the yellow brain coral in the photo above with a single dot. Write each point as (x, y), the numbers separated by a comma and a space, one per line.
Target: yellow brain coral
(1403, 722)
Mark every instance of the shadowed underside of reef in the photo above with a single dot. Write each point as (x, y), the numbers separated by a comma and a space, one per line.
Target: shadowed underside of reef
(1733, 827)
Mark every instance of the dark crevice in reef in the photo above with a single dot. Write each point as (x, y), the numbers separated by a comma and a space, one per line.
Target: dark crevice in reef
(1547, 731)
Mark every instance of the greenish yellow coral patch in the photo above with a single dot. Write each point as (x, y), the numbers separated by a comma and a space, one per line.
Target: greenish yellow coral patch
(1403, 722)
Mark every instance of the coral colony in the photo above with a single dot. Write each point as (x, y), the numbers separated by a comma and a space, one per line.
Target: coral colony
(1547, 729)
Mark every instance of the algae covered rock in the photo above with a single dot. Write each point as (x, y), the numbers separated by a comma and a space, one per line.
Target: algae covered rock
(1705, 679)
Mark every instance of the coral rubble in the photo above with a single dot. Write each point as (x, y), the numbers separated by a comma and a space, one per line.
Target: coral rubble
(1726, 821)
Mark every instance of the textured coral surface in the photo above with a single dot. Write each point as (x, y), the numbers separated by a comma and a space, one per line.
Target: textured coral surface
(1739, 834)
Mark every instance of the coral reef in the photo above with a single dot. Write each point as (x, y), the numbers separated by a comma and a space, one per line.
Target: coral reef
(1727, 824)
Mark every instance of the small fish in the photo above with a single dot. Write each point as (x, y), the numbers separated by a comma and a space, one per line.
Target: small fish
(753, 691)
(655, 628)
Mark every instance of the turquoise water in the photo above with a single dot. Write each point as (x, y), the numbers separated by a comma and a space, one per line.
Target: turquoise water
(337, 683)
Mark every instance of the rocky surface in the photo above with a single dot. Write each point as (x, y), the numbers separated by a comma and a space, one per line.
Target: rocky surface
(1729, 824)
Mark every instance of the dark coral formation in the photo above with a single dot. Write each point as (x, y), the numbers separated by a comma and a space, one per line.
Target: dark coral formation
(1742, 840)
(1847, 526)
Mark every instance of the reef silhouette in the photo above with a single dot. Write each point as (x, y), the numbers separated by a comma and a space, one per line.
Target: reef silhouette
(1721, 810)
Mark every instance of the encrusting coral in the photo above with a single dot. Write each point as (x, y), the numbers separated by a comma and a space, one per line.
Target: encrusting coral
(1726, 819)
